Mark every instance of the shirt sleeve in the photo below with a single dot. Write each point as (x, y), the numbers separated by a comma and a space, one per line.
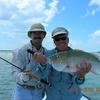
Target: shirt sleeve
(19, 61)
(44, 70)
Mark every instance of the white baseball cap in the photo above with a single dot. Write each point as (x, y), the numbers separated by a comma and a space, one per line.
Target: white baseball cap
(58, 31)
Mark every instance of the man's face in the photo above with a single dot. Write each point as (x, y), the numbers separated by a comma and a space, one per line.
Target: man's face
(37, 37)
(61, 42)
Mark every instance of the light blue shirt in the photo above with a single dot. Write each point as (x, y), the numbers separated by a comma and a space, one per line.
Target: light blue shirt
(64, 86)
(24, 60)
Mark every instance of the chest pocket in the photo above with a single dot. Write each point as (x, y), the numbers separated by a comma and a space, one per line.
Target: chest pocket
(66, 77)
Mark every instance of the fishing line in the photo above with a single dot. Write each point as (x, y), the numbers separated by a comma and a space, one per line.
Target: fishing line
(34, 76)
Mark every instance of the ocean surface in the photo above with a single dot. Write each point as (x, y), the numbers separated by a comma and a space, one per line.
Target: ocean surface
(91, 87)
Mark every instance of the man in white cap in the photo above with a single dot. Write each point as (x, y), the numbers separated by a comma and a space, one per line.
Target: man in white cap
(64, 86)
(29, 87)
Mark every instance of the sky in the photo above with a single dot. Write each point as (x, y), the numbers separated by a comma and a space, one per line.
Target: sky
(80, 17)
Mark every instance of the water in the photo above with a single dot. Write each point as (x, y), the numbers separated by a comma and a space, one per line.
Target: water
(91, 87)
(6, 80)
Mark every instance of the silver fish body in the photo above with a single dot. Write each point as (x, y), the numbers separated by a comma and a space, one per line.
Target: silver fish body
(66, 61)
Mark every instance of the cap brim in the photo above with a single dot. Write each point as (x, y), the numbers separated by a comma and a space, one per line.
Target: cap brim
(58, 33)
(37, 29)
(29, 33)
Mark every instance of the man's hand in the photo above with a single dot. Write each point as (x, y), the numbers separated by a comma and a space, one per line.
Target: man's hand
(83, 68)
(25, 76)
(40, 58)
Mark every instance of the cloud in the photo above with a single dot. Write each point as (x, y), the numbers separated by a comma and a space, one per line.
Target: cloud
(27, 9)
(76, 44)
(63, 8)
(48, 42)
(94, 2)
(96, 34)
(94, 6)
(19, 14)
(95, 38)
(90, 44)
(50, 13)
(9, 28)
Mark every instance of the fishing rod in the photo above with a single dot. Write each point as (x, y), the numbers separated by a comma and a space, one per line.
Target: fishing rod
(30, 51)
(34, 76)
(11, 63)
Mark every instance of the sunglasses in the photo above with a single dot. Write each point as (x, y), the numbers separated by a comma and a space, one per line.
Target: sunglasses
(60, 38)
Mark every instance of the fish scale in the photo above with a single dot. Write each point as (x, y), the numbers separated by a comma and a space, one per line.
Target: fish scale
(66, 61)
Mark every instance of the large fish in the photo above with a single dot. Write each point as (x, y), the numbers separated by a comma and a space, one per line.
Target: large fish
(66, 61)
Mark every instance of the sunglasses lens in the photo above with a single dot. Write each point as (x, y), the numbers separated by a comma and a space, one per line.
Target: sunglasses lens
(61, 38)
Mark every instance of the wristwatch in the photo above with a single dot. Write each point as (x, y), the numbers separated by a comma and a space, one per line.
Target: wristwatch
(80, 80)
